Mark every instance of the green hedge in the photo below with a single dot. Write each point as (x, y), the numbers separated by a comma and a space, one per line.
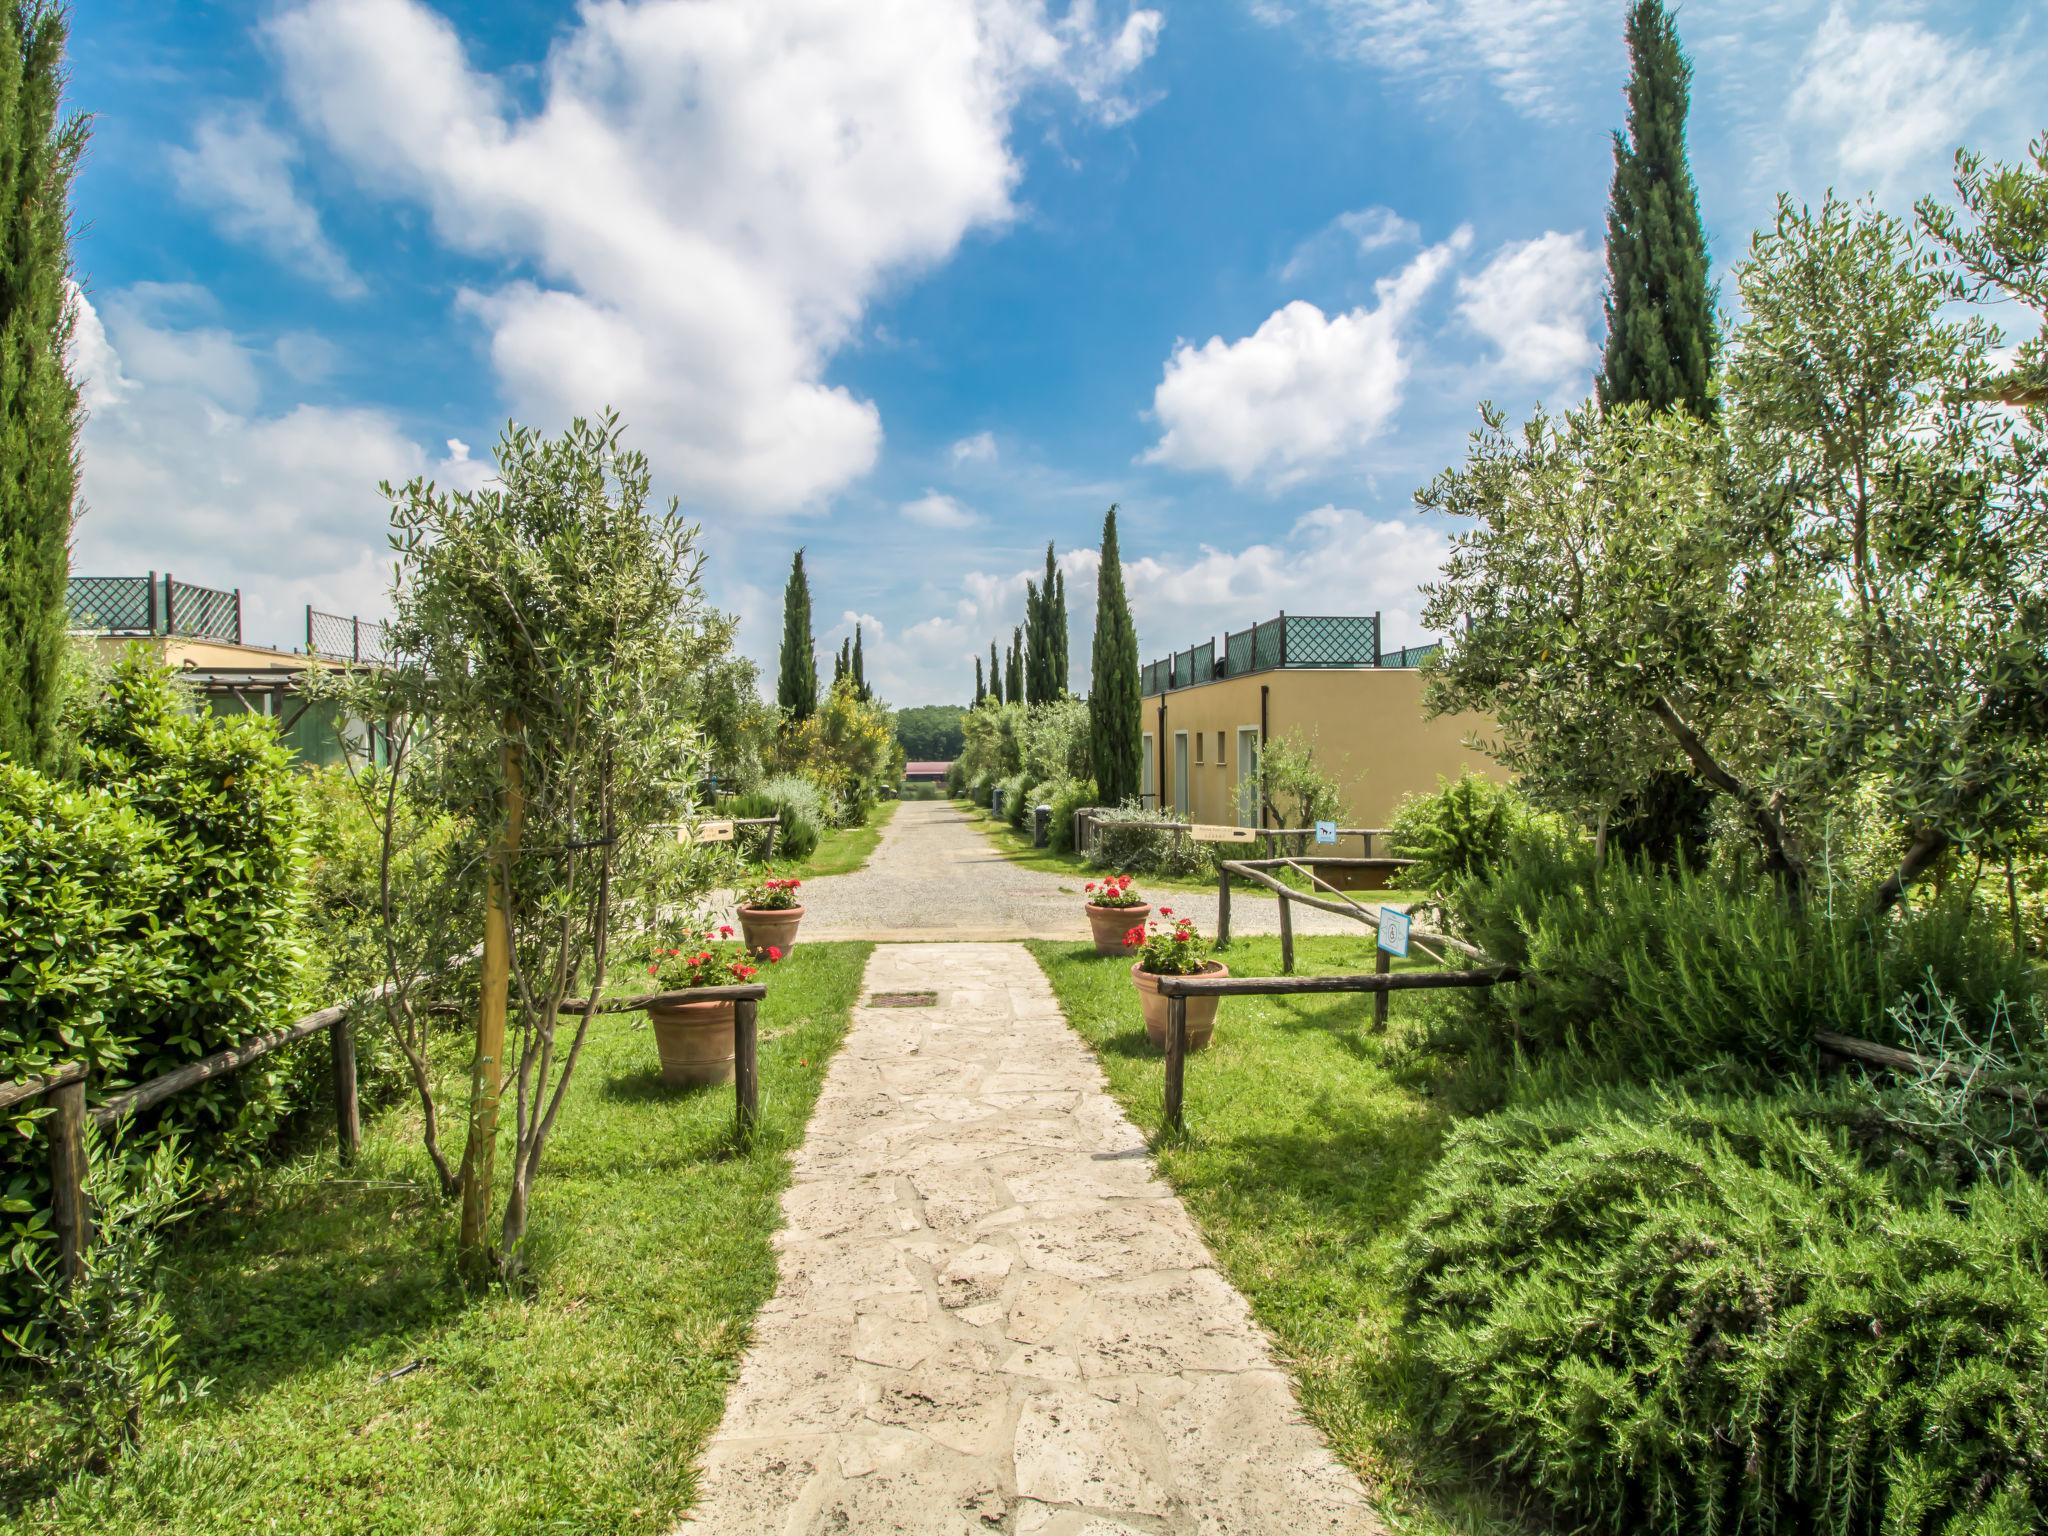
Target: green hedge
(1686, 1316)
(149, 916)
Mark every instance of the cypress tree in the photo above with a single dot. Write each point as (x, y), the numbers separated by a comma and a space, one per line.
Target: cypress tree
(1115, 712)
(39, 413)
(1062, 659)
(1660, 309)
(1018, 677)
(796, 686)
(995, 673)
(1034, 629)
(860, 666)
(980, 688)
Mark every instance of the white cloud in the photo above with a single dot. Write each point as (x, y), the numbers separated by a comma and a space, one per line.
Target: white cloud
(707, 195)
(1538, 301)
(242, 172)
(1534, 53)
(1302, 392)
(978, 449)
(934, 509)
(1893, 98)
(1349, 235)
(182, 471)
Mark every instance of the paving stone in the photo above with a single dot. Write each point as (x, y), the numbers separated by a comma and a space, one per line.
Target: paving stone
(991, 1314)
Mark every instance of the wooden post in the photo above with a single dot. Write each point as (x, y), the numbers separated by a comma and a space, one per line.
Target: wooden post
(1382, 964)
(486, 1078)
(1222, 908)
(348, 1114)
(1176, 1059)
(66, 1130)
(1286, 937)
(746, 1069)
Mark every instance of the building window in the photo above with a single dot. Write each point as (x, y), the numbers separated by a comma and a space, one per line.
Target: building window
(1199, 737)
(1219, 749)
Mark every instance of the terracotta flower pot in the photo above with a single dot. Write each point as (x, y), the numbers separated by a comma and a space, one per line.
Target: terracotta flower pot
(695, 1042)
(1201, 1010)
(1112, 923)
(765, 926)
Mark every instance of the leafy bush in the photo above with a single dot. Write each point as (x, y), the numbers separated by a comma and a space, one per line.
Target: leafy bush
(1708, 1316)
(171, 869)
(956, 779)
(1012, 789)
(105, 1344)
(1124, 842)
(1646, 972)
(1293, 787)
(1460, 832)
(848, 748)
(798, 801)
(983, 791)
(1066, 797)
(1052, 740)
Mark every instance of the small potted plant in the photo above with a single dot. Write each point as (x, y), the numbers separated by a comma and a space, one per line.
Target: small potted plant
(770, 912)
(695, 1040)
(1112, 908)
(1175, 951)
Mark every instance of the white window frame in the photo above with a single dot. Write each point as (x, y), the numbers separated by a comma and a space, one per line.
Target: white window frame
(1148, 774)
(1247, 783)
(1180, 772)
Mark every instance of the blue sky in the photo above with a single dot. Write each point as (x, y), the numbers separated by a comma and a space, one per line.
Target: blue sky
(915, 284)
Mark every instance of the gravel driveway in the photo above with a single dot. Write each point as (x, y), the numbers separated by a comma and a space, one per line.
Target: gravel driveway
(934, 876)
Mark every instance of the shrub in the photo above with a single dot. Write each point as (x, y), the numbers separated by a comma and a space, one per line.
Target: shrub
(798, 801)
(1012, 789)
(1124, 842)
(1293, 786)
(1646, 972)
(1052, 740)
(1708, 1316)
(1067, 796)
(956, 779)
(1460, 832)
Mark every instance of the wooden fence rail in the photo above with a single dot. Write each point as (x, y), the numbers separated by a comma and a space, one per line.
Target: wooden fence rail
(1087, 827)
(65, 1088)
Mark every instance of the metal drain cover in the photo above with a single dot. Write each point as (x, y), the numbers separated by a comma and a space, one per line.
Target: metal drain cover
(903, 999)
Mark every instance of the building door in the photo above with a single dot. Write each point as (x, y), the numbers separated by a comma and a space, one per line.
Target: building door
(1148, 777)
(1247, 775)
(1180, 772)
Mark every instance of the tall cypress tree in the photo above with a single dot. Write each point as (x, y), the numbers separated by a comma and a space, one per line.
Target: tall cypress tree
(1115, 712)
(995, 673)
(39, 414)
(980, 687)
(860, 666)
(1018, 677)
(1034, 628)
(1062, 657)
(1660, 309)
(796, 686)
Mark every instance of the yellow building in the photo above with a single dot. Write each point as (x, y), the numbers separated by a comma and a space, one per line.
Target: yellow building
(197, 632)
(1208, 712)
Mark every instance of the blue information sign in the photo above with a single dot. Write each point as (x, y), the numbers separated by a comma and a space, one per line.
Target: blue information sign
(1394, 932)
(1326, 832)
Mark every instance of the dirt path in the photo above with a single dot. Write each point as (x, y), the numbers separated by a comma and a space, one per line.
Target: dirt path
(934, 876)
(992, 1316)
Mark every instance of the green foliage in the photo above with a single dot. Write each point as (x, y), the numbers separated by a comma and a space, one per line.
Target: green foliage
(723, 698)
(1115, 729)
(931, 733)
(1704, 1316)
(1661, 335)
(1998, 241)
(105, 1344)
(1045, 632)
(1639, 973)
(1868, 515)
(1067, 796)
(1016, 791)
(1461, 832)
(1293, 786)
(39, 407)
(796, 683)
(1052, 740)
(1124, 842)
(798, 801)
(847, 747)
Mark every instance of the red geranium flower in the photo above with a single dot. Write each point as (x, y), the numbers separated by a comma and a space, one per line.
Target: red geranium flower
(1166, 911)
(774, 952)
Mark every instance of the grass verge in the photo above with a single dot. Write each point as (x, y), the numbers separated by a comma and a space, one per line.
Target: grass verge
(1309, 1137)
(358, 1390)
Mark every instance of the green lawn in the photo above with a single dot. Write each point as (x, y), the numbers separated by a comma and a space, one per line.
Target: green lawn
(1016, 846)
(1309, 1137)
(842, 850)
(578, 1407)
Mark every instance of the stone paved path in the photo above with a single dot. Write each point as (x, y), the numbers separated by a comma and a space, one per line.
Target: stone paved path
(992, 1316)
(935, 876)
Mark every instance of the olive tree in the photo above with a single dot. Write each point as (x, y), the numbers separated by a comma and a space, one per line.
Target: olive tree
(547, 628)
(1843, 586)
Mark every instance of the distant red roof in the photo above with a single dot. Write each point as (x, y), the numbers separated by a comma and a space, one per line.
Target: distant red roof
(926, 770)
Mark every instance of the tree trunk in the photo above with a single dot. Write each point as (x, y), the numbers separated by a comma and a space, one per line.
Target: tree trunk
(1928, 845)
(486, 1078)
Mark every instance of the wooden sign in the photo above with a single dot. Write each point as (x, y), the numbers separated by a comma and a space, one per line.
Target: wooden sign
(1209, 834)
(714, 831)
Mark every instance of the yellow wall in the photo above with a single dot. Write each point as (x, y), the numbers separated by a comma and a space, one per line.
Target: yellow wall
(1366, 723)
(211, 655)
